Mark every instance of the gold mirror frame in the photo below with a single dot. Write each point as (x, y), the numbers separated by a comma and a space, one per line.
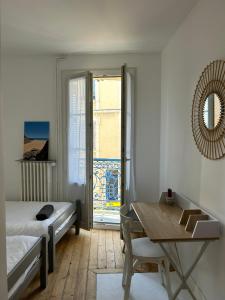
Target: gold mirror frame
(210, 142)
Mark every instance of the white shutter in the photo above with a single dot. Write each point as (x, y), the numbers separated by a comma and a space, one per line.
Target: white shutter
(77, 158)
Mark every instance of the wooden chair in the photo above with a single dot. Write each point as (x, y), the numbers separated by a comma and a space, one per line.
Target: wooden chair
(138, 251)
(127, 215)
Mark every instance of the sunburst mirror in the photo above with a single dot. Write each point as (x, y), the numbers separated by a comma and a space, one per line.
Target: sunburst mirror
(208, 111)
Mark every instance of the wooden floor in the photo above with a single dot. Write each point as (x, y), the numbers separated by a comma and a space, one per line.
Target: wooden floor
(79, 258)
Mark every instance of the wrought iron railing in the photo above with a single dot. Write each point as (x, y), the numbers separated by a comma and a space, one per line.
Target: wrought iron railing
(106, 183)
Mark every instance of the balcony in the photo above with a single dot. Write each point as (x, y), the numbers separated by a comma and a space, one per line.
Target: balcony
(106, 190)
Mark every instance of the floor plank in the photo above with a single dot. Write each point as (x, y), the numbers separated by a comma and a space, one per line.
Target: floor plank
(93, 261)
(81, 282)
(119, 258)
(91, 286)
(110, 255)
(69, 289)
(102, 262)
(57, 291)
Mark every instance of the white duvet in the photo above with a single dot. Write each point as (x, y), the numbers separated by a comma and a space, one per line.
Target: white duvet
(16, 249)
(21, 217)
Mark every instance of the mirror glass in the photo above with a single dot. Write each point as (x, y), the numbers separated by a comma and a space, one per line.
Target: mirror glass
(212, 111)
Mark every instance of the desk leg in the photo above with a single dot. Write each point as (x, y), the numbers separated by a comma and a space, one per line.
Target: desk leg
(184, 277)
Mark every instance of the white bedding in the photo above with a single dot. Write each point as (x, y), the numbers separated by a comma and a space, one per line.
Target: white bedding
(21, 217)
(16, 249)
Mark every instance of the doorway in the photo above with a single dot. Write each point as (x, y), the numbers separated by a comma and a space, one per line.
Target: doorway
(97, 146)
(106, 150)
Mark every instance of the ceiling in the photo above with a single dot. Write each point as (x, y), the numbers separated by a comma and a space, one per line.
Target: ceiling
(90, 26)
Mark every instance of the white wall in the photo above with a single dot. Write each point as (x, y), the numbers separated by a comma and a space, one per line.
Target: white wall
(147, 111)
(199, 40)
(3, 273)
(28, 95)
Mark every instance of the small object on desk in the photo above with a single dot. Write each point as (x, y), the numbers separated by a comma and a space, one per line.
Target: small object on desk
(169, 197)
(169, 193)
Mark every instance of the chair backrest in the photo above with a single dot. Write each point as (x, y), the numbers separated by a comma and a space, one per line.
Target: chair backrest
(123, 213)
(136, 226)
(127, 229)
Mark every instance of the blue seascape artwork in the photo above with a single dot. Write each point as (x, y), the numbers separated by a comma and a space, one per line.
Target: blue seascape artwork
(36, 140)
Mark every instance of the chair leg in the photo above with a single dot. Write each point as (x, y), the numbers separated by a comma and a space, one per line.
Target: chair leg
(125, 271)
(167, 275)
(160, 267)
(124, 246)
(128, 280)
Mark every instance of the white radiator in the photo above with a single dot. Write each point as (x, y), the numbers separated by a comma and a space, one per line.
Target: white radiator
(36, 180)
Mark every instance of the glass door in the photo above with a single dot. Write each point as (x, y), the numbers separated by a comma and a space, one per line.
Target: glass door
(106, 149)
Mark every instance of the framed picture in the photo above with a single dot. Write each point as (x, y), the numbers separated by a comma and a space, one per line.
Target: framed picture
(36, 140)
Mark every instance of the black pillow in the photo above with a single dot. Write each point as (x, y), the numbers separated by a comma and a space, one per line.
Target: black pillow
(45, 212)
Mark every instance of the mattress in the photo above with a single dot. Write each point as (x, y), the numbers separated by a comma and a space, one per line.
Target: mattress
(21, 217)
(16, 249)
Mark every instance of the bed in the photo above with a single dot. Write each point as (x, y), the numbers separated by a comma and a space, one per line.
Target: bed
(21, 220)
(26, 256)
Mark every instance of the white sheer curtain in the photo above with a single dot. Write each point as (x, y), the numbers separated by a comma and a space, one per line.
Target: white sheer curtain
(75, 158)
(130, 189)
(77, 131)
(128, 192)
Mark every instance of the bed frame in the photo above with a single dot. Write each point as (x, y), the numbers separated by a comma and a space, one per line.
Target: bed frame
(39, 250)
(55, 236)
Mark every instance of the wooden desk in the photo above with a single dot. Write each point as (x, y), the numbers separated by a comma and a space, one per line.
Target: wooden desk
(161, 224)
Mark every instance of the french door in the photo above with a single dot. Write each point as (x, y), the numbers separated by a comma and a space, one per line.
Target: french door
(77, 140)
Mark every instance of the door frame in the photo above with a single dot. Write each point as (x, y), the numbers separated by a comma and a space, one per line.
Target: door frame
(61, 76)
